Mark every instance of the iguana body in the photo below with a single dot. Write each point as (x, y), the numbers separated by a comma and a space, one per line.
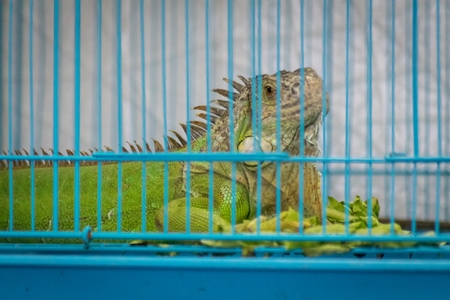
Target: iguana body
(245, 188)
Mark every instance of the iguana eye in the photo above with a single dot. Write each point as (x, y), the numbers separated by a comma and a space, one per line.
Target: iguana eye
(269, 91)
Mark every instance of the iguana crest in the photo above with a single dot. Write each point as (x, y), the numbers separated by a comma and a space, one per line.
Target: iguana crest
(198, 128)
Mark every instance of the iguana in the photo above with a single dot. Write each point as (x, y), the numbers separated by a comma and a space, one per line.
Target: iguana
(254, 97)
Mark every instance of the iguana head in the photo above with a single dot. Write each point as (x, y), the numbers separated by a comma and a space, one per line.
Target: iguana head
(294, 101)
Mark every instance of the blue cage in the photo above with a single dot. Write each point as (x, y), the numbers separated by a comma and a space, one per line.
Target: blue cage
(87, 85)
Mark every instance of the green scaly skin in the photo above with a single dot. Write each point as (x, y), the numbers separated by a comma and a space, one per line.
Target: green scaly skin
(246, 172)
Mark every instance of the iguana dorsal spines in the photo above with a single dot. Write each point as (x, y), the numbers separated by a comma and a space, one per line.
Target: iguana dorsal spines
(198, 129)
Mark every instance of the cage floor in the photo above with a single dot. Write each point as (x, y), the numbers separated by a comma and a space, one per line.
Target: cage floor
(128, 276)
(125, 272)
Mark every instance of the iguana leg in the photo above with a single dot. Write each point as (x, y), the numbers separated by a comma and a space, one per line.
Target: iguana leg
(176, 214)
(199, 210)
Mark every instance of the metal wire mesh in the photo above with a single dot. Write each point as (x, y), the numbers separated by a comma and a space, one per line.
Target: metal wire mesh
(82, 75)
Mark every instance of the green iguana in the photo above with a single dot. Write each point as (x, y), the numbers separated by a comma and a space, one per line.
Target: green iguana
(302, 86)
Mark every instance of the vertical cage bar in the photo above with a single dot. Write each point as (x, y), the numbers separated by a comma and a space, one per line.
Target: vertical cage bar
(278, 112)
(415, 75)
(258, 113)
(254, 116)
(324, 95)
(439, 115)
(348, 33)
(301, 179)
(415, 105)
(438, 78)
(393, 79)
(32, 163)
(208, 84)
(188, 124)
(119, 112)
(208, 119)
(369, 113)
(55, 111)
(408, 103)
(328, 125)
(99, 113)
(77, 115)
(388, 121)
